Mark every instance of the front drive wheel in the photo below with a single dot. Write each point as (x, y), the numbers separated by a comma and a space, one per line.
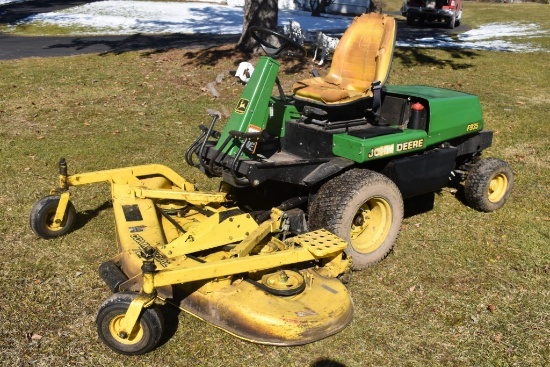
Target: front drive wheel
(144, 337)
(363, 207)
(42, 217)
(488, 185)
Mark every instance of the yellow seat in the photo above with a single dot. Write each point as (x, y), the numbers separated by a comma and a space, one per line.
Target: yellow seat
(363, 56)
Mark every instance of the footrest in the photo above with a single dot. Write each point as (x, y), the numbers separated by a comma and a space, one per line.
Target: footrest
(321, 243)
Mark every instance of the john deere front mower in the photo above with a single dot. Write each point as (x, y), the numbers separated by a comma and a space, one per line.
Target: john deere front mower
(312, 186)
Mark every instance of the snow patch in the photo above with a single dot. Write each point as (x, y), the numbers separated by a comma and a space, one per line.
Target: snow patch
(283, 4)
(130, 17)
(492, 37)
(6, 2)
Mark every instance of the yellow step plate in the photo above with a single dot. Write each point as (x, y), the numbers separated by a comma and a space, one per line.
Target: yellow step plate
(321, 243)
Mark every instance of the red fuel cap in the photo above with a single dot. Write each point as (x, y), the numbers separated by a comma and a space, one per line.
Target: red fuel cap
(417, 106)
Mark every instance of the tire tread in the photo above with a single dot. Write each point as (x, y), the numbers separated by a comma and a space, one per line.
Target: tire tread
(155, 322)
(476, 185)
(326, 210)
(42, 208)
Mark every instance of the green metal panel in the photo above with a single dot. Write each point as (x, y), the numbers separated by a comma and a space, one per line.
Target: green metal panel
(451, 113)
(362, 150)
(253, 109)
(280, 113)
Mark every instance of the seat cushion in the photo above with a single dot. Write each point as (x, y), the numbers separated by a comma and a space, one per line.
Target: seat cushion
(330, 90)
(360, 59)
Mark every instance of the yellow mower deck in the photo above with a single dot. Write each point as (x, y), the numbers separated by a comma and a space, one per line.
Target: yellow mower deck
(214, 261)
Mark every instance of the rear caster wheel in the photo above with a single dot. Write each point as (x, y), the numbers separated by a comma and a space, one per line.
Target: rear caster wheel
(42, 217)
(363, 207)
(144, 337)
(488, 184)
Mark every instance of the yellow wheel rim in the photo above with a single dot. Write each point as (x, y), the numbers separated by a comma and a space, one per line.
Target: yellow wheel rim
(497, 188)
(51, 225)
(371, 225)
(135, 336)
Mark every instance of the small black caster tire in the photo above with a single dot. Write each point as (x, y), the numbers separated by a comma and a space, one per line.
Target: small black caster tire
(42, 217)
(488, 185)
(145, 336)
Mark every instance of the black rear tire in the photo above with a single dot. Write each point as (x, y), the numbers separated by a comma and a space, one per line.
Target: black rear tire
(145, 336)
(42, 217)
(451, 22)
(363, 207)
(488, 185)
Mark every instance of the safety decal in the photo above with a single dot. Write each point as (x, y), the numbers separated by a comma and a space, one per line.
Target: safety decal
(144, 245)
(251, 146)
(132, 213)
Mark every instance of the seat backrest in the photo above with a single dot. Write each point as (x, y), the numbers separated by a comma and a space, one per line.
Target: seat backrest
(364, 52)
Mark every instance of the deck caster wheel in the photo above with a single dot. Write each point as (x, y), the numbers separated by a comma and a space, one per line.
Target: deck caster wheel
(42, 217)
(363, 207)
(144, 337)
(488, 185)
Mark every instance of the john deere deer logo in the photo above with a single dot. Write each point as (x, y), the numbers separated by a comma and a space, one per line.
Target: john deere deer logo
(241, 106)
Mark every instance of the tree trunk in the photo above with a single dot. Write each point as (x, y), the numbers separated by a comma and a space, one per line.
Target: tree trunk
(261, 13)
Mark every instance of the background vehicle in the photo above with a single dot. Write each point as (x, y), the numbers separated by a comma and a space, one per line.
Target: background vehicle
(446, 11)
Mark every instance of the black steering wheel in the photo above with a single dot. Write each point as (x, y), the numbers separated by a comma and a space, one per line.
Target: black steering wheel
(274, 51)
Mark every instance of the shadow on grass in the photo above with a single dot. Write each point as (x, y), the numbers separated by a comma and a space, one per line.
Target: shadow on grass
(458, 59)
(326, 362)
(460, 193)
(419, 204)
(82, 218)
(213, 55)
(154, 43)
(428, 26)
(170, 313)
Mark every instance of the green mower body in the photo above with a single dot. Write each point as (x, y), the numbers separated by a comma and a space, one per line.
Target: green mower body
(268, 140)
(323, 158)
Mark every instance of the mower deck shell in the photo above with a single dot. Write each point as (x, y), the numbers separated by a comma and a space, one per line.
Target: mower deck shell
(245, 311)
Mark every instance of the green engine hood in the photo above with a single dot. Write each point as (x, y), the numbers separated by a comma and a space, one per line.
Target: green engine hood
(450, 113)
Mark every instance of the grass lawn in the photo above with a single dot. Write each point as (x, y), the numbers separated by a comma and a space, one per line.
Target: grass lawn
(462, 288)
